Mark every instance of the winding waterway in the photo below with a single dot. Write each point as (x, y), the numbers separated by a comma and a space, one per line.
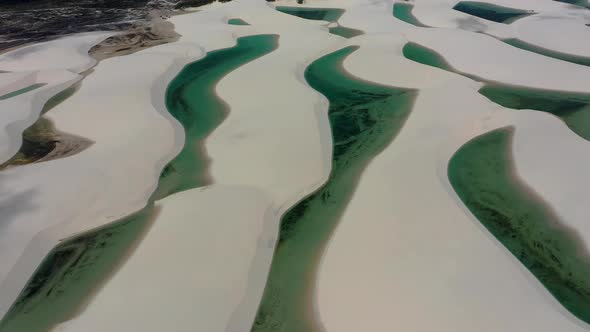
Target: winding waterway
(365, 118)
(76, 267)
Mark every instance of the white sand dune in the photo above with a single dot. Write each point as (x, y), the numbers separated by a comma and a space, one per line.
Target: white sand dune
(121, 108)
(555, 25)
(190, 282)
(407, 255)
(558, 33)
(424, 262)
(68, 53)
(21, 111)
(298, 117)
(493, 60)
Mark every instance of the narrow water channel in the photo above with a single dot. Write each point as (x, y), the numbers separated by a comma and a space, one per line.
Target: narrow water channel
(74, 269)
(22, 91)
(483, 175)
(365, 118)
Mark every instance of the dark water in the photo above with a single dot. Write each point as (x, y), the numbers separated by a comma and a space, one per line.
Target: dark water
(191, 99)
(26, 21)
(482, 173)
(364, 118)
(491, 12)
(580, 60)
(403, 12)
(320, 14)
(572, 108)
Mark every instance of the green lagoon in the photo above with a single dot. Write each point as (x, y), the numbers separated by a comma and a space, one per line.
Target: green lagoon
(491, 12)
(191, 99)
(572, 108)
(76, 267)
(322, 14)
(403, 12)
(580, 60)
(364, 117)
(237, 21)
(483, 175)
(318, 14)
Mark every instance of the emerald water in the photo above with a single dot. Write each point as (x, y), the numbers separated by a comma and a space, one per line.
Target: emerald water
(580, 60)
(580, 3)
(345, 32)
(322, 14)
(22, 91)
(403, 12)
(365, 118)
(191, 99)
(482, 173)
(572, 108)
(237, 21)
(491, 12)
(70, 273)
(76, 267)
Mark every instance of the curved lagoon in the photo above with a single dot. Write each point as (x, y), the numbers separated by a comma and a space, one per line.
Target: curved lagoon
(191, 99)
(322, 14)
(365, 118)
(572, 108)
(77, 266)
(237, 21)
(491, 12)
(482, 173)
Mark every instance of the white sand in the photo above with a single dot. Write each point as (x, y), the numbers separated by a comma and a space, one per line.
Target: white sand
(554, 25)
(407, 254)
(120, 107)
(297, 114)
(21, 111)
(69, 53)
(423, 262)
(192, 265)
